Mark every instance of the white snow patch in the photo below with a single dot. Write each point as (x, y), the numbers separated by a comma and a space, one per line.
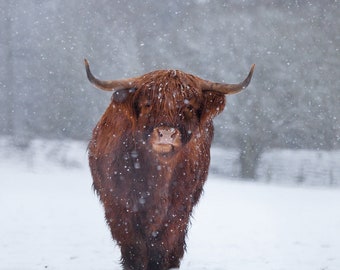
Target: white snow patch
(51, 219)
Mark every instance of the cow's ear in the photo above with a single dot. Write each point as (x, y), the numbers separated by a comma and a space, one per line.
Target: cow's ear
(213, 104)
(122, 95)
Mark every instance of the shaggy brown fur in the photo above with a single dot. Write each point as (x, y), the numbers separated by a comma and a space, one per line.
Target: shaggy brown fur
(149, 158)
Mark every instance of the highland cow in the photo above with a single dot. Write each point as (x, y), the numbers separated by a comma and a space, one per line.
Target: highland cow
(149, 157)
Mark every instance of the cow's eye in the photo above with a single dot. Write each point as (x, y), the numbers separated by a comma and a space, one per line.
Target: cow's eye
(144, 108)
(189, 112)
(190, 108)
(146, 105)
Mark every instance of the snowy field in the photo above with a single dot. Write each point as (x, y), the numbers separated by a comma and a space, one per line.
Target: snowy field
(51, 219)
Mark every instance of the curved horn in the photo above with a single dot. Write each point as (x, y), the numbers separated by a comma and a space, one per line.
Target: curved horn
(225, 88)
(115, 85)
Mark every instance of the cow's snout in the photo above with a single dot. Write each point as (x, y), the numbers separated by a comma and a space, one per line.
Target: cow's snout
(165, 139)
(167, 135)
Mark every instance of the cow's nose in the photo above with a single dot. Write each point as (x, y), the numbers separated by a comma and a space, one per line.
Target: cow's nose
(165, 139)
(167, 135)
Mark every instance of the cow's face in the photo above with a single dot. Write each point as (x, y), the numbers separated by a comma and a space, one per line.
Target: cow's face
(168, 108)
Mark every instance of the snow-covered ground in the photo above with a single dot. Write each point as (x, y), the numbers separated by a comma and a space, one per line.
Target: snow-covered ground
(51, 219)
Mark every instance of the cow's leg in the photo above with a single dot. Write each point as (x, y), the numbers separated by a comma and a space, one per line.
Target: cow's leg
(166, 250)
(177, 252)
(134, 257)
(174, 235)
(163, 257)
(157, 257)
(132, 244)
(175, 257)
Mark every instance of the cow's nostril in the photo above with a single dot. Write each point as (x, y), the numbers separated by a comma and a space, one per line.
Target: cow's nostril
(174, 134)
